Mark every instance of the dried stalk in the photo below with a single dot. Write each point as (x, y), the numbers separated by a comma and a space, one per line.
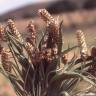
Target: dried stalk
(82, 43)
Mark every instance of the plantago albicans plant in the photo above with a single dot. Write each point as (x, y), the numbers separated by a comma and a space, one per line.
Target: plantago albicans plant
(35, 69)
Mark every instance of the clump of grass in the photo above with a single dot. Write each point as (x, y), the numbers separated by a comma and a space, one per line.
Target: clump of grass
(43, 69)
(32, 30)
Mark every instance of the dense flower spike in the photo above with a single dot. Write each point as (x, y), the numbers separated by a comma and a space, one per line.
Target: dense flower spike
(54, 31)
(5, 59)
(14, 30)
(31, 52)
(32, 30)
(52, 27)
(2, 33)
(82, 43)
(34, 56)
(29, 48)
(45, 15)
(48, 54)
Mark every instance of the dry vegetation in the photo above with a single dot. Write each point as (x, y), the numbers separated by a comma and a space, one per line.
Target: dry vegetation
(38, 65)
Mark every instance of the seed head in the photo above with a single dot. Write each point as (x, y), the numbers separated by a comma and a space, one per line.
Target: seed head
(29, 48)
(52, 25)
(45, 15)
(82, 43)
(5, 59)
(48, 55)
(14, 30)
(53, 30)
(32, 30)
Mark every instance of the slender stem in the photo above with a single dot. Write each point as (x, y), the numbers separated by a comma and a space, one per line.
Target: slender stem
(26, 77)
(14, 71)
(11, 49)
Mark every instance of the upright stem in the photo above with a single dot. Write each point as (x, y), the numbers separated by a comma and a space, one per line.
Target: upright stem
(11, 49)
